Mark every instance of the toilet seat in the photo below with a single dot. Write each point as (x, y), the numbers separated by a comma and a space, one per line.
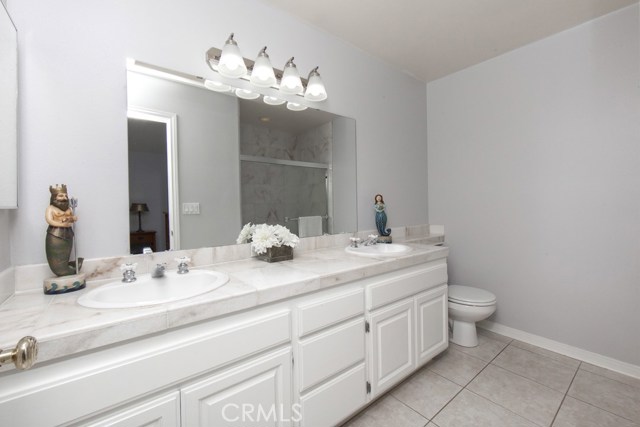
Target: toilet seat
(467, 295)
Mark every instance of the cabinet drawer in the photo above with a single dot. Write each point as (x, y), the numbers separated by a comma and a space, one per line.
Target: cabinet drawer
(163, 410)
(407, 284)
(329, 311)
(336, 400)
(326, 354)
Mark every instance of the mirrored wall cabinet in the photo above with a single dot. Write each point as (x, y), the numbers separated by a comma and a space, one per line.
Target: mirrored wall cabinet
(8, 111)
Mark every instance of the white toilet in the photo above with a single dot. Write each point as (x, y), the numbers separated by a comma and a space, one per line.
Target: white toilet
(467, 306)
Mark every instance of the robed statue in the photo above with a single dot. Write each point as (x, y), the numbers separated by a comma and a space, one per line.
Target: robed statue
(59, 239)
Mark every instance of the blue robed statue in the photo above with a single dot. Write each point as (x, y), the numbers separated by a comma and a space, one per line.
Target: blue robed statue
(381, 216)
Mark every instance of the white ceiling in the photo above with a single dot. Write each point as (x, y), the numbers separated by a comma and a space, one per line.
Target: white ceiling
(429, 39)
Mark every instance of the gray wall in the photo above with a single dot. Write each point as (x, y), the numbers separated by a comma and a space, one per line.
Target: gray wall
(534, 168)
(73, 63)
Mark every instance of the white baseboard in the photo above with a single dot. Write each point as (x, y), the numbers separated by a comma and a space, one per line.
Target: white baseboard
(558, 347)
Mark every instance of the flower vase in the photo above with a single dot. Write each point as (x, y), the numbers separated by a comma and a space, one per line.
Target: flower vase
(276, 254)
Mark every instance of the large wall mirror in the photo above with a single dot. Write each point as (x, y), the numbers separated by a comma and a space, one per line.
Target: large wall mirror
(8, 111)
(203, 163)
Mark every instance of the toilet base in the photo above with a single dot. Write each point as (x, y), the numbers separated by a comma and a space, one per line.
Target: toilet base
(464, 334)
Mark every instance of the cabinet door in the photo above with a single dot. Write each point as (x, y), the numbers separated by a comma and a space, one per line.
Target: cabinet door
(163, 411)
(391, 345)
(432, 323)
(256, 393)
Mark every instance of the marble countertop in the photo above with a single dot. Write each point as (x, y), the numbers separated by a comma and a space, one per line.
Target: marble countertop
(63, 327)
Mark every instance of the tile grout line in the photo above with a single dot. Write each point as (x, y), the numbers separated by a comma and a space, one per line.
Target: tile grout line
(468, 382)
(565, 396)
(596, 406)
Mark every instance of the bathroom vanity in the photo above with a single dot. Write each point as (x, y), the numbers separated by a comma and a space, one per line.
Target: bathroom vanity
(307, 342)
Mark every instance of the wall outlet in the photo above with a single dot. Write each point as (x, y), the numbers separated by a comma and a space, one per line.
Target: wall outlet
(191, 208)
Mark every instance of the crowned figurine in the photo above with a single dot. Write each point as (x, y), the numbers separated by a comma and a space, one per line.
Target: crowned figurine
(60, 241)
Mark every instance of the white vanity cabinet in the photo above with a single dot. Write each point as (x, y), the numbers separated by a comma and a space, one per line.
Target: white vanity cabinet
(407, 315)
(256, 393)
(309, 361)
(162, 411)
(330, 358)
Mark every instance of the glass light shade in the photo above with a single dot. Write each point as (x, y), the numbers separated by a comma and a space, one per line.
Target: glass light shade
(262, 74)
(315, 88)
(295, 107)
(246, 94)
(290, 82)
(216, 86)
(272, 100)
(231, 61)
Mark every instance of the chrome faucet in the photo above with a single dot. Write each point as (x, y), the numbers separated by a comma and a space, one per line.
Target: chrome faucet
(372, 239)
(183, 267)
(128, 272)
(354, 241)
(158, 271)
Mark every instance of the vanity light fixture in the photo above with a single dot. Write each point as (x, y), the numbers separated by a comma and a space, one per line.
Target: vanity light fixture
(246, 94)
(272, 100)
(295, 107)
(262, 74)
(230, 64)
(291, 82)
(315, 88)
(216, 86)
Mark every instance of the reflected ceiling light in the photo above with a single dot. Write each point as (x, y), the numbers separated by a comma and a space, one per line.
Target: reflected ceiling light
(295, 107)
(272, 100)
(290, 82)
(216, 86)
(246, 94)
(262, 74)
(315, 88)
(231, 62)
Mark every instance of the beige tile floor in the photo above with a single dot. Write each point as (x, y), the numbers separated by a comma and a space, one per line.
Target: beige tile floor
(507, 383)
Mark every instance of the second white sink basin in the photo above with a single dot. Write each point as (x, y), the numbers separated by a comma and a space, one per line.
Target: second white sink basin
(147, 291)
(380, 250)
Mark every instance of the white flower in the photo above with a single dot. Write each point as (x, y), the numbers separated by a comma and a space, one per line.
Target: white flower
(286, 237)
(245, 233)
(264, 236)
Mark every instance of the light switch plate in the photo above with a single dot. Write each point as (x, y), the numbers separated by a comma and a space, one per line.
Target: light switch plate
(191, 208)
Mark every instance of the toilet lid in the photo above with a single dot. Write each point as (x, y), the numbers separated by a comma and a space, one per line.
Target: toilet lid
(470, 296)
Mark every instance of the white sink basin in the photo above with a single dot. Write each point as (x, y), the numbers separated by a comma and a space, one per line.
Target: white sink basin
(380, 250)
(149, 291)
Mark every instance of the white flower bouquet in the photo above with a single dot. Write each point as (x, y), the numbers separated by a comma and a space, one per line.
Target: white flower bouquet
(264, 236)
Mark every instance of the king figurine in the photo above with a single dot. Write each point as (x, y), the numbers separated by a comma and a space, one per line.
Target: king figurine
(59, 242)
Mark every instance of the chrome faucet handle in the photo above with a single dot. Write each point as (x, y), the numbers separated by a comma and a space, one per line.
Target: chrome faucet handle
(183, 266)
(128, 272)
(354, 241)
(158, 270)
(372, 239)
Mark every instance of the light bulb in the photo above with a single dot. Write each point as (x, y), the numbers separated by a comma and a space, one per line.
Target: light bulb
(246, 94)
(295, 107)
(231, 61)
(272, 100)
(216, 86)
(315, 88)
(262, 74)
(291, 82)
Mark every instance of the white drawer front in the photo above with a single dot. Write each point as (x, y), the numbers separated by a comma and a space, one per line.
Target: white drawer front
(326, 354)
(336, 400)
(330, 311)
(407, 284)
